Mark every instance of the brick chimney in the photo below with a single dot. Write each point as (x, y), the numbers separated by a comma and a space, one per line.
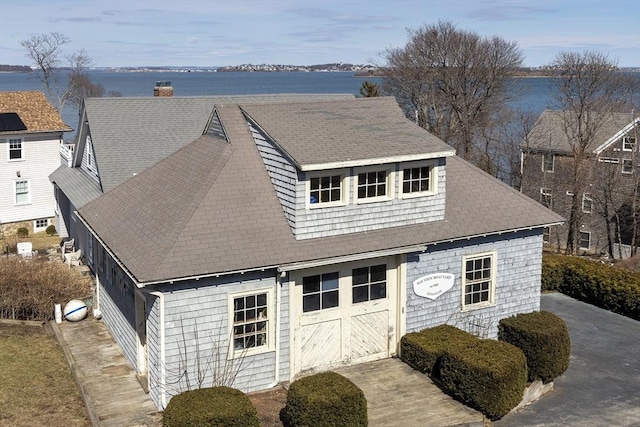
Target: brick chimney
(163, 88)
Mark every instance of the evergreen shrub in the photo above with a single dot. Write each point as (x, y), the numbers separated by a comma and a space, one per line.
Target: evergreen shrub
(213, 406)
(326, 399)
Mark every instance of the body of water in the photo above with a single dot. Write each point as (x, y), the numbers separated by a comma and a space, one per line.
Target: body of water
(533, 93)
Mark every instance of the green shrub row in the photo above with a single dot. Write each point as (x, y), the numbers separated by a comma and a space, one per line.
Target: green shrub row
(543, 338)
(598, 284)
(214, 406)
(326, 399)
(488, 375)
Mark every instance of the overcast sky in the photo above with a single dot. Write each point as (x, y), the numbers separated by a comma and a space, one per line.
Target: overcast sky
(303, 32)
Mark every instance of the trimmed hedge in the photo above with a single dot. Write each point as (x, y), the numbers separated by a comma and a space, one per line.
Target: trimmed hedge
(215, 406)
(543, 338)
(602, 285)
(486, 374)
(423, 350)
(324, 400)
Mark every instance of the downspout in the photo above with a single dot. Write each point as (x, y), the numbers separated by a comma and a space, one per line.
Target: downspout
(163, 375)
(276, 376)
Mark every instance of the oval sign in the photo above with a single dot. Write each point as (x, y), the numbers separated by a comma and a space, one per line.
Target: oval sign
(433, 285)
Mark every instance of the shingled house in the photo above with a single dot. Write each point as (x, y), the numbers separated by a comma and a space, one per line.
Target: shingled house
(610, 179)
(30, 136)
(291, 233)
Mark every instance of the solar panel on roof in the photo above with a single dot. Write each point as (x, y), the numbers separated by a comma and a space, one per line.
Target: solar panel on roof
(10, 122)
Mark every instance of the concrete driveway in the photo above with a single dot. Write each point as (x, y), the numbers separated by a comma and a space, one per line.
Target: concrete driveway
(602, 385)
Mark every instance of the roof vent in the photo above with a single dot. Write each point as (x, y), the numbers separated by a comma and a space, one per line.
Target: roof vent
(163, 88)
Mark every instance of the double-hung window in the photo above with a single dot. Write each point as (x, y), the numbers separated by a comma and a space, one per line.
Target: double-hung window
(627, 166)
(22, 196)
(587, 203)
(478, 280)
(16, 149)
(546, 197)
(251, 317)
(628, 143)
(584, 240)
(548, 162)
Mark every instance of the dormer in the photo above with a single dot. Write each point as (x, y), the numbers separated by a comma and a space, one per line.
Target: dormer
(350, 166)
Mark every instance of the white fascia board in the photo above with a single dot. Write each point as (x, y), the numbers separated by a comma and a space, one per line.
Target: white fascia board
(615, 137)
(376, 161)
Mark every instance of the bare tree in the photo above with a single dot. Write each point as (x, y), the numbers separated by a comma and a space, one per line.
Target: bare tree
(46, 51)
(452, 83)
(587, 87)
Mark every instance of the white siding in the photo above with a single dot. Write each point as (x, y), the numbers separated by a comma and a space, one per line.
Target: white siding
(519, 257)
(40, 158)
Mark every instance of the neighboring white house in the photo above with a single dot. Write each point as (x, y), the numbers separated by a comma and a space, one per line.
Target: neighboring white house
(30, 137)
(287, 234)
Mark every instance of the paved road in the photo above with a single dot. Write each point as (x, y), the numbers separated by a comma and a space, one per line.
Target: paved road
(602, 385)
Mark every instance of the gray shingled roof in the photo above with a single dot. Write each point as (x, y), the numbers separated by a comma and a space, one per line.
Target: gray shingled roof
(329, 132)
(79, 188)
(210, 208)
(131, 134)
(548, 132)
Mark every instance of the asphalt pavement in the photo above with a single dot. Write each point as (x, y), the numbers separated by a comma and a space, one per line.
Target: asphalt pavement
(602, 385)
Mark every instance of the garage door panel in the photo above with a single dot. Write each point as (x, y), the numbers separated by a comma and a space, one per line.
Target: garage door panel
(369, 335)
(321, 344)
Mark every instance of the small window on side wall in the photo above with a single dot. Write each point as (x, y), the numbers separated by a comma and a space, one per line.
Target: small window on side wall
(585, 240)
(326, 190)
(251, 318)
(627, 166)
(628, 143)
(16, 151)
(478, 280)
(587, 203)
(548, 162)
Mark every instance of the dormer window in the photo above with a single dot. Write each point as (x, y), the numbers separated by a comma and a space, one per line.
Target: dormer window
(418, 180)
(373, 184)
(326, 189)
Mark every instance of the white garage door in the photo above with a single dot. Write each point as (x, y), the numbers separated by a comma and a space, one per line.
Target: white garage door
(344, 314)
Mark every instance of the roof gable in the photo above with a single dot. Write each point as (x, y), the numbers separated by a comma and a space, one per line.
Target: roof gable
(34, 110)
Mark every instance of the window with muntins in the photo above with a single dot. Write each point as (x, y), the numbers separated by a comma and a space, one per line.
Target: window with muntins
(325, 189)
(40, 224)
(372, 184)
(320, 292)
(548, 161)
(585, 240)
(369, 283)
(628, 143)
(16, 149)
(22, 192)
(416, 180)
(478, 280)
(250, 321)
(587, 203)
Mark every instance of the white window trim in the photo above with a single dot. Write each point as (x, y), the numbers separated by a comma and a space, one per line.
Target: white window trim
(390, 183)
(344, 188)
(492, 286)
(590, 199)
(553, 162)
(89, 257)
(548, 192)
(271, 319)
(580, 240)
(623, 163)
(15, 192)
(22, 150)
(433, 178)
(624, 142)
(37, 229)
(546, 232)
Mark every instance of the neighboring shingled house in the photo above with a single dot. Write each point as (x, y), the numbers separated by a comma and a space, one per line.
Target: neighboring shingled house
(287, 234)
(30, 136)
(610, 179)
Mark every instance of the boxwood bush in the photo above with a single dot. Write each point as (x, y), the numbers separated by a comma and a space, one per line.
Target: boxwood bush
(602, 285)
(423, 350)
(488, 375)
(214, 406)
(543, 338)
(325, 399)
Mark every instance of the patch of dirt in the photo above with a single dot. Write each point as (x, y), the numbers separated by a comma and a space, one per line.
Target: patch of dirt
(269, 404)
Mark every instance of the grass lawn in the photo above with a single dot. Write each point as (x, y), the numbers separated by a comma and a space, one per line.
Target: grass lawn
(36, 385)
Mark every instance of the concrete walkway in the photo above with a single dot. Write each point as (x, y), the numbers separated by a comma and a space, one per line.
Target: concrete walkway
(398, 395)
(112, 395)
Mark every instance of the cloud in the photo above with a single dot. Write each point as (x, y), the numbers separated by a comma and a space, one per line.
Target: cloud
(508, 13)
(76, 19)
